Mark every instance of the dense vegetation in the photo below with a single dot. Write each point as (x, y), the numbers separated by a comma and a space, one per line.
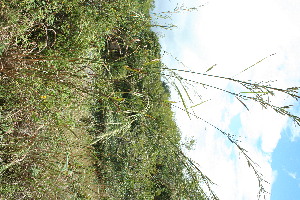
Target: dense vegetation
(83, 111)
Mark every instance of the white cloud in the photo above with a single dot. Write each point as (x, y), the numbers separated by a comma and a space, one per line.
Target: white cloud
(264, 125)
(295, 132)
(293, 175)
(274, 176)
(235, 34)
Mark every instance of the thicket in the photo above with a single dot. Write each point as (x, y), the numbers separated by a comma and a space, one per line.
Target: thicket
(84, 113)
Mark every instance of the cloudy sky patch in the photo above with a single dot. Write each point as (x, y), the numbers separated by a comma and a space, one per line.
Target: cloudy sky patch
(235, 35)
(293, 175)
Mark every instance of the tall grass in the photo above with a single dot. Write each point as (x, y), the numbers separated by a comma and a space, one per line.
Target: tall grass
(45, 144)
(79, 120)
(258, 92)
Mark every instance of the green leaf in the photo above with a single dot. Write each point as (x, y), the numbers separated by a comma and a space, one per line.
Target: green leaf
(200, 103)
(182, 100)
(118, 98)
(257, 92)
(243, 103)
(152, 62)
(133, 69)
(170, 101)
(211, 68)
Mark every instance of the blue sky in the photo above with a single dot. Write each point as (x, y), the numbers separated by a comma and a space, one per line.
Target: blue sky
(234, 35)
(286, 162)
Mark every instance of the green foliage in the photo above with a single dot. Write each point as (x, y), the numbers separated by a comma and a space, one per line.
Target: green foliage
(84, 113)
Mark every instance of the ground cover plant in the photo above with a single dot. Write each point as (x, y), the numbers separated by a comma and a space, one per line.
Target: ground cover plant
(84, 113)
